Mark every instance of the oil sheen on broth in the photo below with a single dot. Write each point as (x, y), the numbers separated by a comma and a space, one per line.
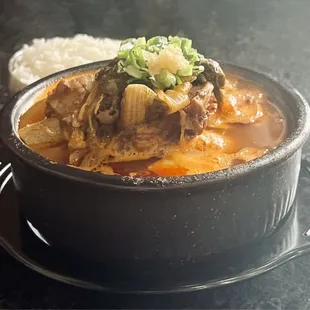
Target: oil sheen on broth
(241, 140)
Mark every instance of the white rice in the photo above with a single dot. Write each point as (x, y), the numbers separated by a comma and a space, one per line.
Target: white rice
(46, 56)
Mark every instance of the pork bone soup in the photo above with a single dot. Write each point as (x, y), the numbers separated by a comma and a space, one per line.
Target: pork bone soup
(158, 109)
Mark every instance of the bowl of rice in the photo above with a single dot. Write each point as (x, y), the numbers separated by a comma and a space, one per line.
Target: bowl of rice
(43, 57)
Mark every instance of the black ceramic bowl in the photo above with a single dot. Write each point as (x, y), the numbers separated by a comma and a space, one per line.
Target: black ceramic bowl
(112, 218)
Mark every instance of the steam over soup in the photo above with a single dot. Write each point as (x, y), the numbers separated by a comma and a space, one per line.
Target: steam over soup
(158, 109)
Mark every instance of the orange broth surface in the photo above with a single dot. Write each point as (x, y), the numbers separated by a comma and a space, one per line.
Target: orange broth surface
(267, 132)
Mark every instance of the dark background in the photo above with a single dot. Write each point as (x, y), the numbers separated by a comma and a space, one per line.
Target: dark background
(270, 35)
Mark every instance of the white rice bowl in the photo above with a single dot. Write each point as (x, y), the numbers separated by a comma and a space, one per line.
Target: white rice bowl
(46, 56)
